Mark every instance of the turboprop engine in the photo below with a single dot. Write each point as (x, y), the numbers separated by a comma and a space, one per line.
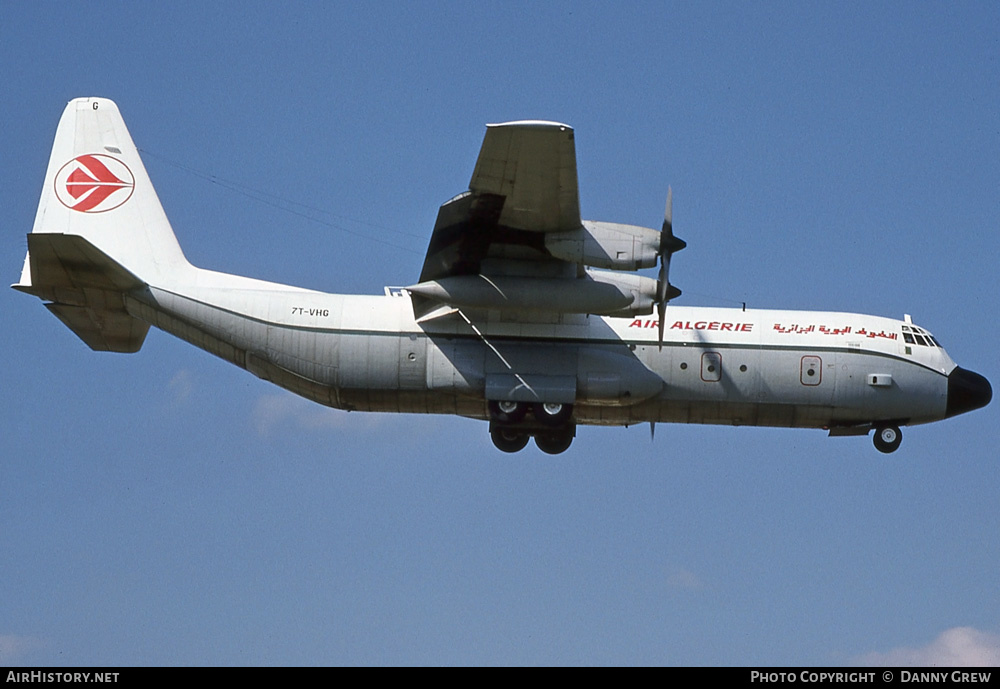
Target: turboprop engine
(596, 291)
(606, 245)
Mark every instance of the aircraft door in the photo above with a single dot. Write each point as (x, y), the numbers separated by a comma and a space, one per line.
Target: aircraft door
(818, 380)
(811, 371)
(711, 367)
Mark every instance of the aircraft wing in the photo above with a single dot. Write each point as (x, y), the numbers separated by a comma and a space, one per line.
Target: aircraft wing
(514, 242)
(524, 184)
(533, 166)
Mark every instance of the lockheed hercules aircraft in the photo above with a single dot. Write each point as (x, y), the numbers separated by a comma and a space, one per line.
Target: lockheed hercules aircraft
(523, 315)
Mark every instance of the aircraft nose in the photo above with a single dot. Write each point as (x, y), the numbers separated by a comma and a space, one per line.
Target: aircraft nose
(967, 390)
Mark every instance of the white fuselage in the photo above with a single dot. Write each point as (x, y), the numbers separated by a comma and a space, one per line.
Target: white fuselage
(723, 366)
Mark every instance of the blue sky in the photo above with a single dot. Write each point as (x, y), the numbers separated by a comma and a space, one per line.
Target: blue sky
(167, 508)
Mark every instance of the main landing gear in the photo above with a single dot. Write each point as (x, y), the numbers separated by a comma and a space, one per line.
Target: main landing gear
(549, 424)
(887, 438)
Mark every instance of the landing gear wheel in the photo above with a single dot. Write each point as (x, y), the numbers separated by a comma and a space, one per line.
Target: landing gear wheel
(887, 438)
(508, 440)
(505, 411)
(549, 414)
(553, 443)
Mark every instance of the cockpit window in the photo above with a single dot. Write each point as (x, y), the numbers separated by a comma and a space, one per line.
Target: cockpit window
(914, 335)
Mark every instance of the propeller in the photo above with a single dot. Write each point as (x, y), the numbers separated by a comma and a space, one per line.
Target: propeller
(669, 245)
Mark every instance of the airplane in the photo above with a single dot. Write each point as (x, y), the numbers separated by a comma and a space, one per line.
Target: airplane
(523, 315)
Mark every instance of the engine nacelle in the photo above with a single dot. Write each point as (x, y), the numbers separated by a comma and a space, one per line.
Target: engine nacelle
(606, 245)
(641, 289)
(597, 292)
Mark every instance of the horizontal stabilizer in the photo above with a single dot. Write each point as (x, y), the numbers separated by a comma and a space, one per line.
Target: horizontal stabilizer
(58, 263)
(87, 289)
(103, 331)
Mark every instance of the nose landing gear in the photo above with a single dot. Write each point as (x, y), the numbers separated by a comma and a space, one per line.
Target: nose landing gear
(887, 438)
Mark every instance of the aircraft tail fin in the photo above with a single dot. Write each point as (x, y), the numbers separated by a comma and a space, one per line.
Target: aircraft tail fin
(100, 231)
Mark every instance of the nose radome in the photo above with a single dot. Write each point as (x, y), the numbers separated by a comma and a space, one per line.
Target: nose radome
(967, 390)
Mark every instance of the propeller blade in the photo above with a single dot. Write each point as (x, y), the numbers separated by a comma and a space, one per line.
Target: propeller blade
(661, 314)
(661, 280)
(669, 244)
(668, 217)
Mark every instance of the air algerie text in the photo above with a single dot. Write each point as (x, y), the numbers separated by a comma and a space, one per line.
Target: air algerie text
(697, 325)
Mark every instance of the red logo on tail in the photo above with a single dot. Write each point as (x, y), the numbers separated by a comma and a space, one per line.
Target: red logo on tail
(94, 183)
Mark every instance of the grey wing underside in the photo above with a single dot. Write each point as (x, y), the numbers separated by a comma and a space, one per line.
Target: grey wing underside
(523, 186)
(514, 242)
